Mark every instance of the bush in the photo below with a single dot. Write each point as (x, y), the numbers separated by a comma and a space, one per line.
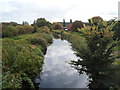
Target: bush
(76, 25)
(20, 29)
(25, 29)
(22, 59)
(43, 29)
(56, 26)
(21, 63)
(47, 37)
(39, 41)
(10, 31)
(28, 29)
(78, 42)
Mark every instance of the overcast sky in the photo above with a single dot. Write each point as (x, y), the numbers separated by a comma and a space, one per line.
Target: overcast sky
(56, 10)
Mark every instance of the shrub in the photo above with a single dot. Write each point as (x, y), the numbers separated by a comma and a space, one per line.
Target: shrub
(56, 26)
(43, 29)
(10, 31)
(76, 25)
(25, 29)
(78, 42)
(39, 41)
(28, 28)
(20, 28)
(21, 63)
(47, 37)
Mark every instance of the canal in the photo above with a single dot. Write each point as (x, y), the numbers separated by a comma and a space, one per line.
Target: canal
(56, 71)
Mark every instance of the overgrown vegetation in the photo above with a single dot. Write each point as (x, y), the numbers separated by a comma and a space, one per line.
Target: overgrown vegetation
(75, 25)
(10, 31)
(23, 49)
(25, 29)
(43, 29)
(22, 59)
(13, 29)
(96, 45)
(56, 26)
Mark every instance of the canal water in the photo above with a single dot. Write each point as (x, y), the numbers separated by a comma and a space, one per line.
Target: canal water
(57, 72)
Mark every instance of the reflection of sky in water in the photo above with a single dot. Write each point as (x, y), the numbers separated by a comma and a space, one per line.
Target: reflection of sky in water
(57, 73)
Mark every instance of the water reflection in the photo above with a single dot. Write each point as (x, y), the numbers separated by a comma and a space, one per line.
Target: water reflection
(57, 72)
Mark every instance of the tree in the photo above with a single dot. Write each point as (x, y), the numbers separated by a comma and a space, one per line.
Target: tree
(40, 22)
(28, 28)
(95, 20)
(13, 23)
(56, 26)
(5, 24)
(76, 25)
(25, 23)
(116, 28)
(97, 57)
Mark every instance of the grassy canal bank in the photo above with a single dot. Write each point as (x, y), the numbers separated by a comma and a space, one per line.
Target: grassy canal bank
(22, 59)
(102, 66)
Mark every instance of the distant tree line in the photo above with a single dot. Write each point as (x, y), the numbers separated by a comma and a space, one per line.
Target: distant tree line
(42, 25)
(14, 29)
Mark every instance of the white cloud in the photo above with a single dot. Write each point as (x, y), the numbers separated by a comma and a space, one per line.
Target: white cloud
(56, 10)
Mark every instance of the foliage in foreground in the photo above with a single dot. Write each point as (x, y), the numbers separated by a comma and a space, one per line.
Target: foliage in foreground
(96, 51)
(23, 59)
